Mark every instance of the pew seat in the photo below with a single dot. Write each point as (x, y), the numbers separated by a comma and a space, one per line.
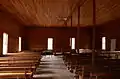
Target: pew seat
(17, 68)
(16, 74)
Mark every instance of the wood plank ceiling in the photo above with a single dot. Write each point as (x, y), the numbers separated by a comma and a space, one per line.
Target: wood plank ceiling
(52, 12)
(106, 10)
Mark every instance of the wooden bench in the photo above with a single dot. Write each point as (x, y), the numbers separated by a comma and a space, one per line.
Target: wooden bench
(16, 74)
(19, 65)
(82, 63)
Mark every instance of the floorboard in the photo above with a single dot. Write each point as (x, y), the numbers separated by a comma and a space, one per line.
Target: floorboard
(52, 67)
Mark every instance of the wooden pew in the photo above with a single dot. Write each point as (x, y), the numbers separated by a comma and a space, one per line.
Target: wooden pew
(82, 63)
(16, 74)
(19, 65)
(17, 68)
(112, 63)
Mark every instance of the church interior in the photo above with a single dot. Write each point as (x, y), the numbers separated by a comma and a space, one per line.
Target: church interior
(59, 39)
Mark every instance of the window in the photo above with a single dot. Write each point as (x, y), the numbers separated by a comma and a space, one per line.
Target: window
(20, 39)
(72, 43)
(113, 44)
(103, 43)
(50, 44)
(5, 43)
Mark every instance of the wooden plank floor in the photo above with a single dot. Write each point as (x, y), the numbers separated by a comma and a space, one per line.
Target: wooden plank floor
(52, 67)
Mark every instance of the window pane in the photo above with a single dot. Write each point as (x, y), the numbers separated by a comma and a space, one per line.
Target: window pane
(50, 43)
(20, 39)
(5, 43)
(73, 43)
(103, 43)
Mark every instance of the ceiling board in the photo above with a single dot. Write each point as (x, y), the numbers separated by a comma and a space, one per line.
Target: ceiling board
(52, 12)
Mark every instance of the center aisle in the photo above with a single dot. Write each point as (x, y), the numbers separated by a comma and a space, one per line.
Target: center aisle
(52, 67)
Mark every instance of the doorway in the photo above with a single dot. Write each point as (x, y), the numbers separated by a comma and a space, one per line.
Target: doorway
(113, 44)
(72, 43)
